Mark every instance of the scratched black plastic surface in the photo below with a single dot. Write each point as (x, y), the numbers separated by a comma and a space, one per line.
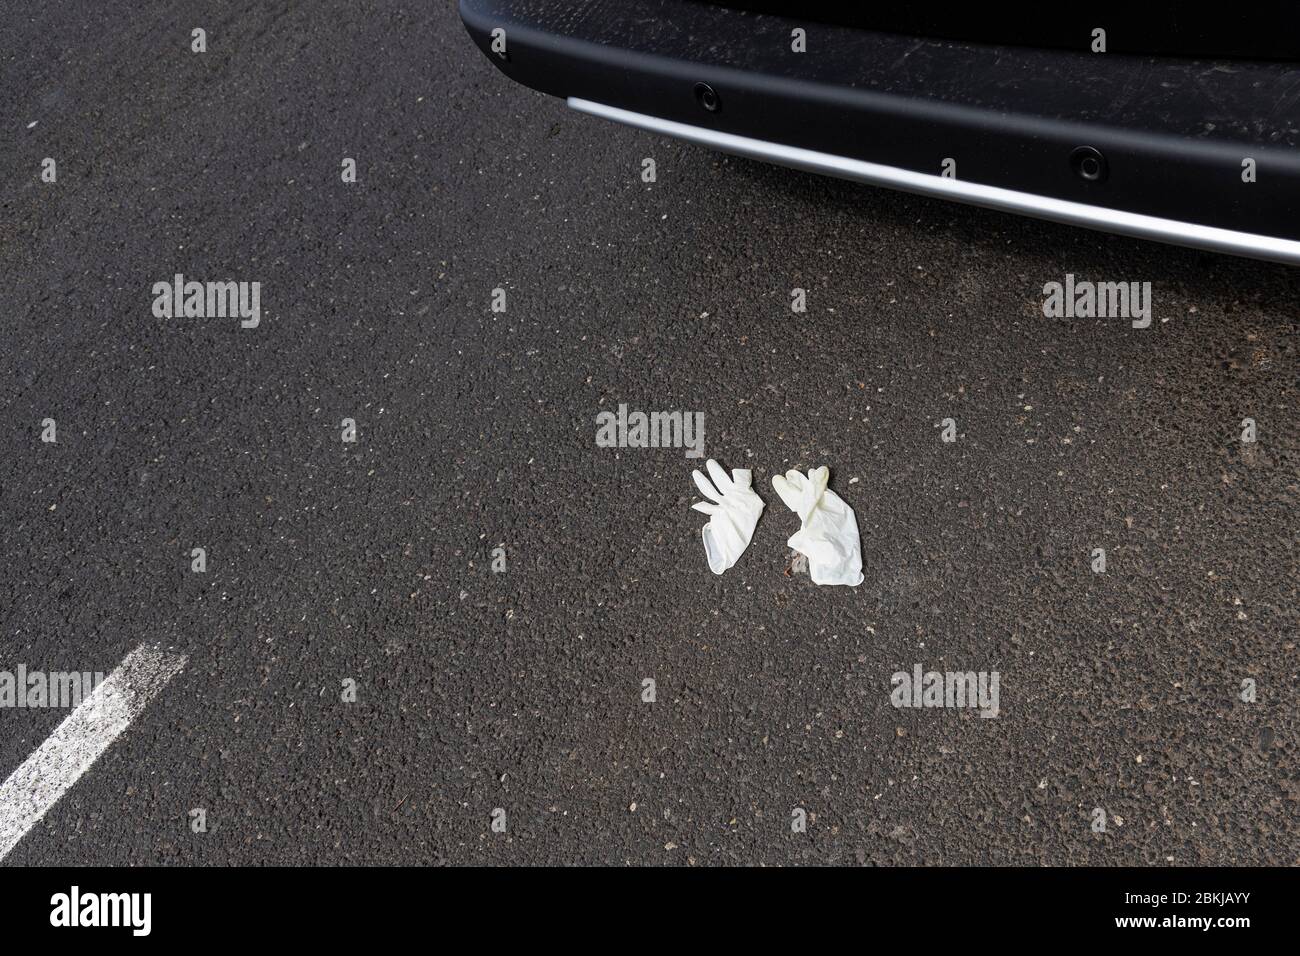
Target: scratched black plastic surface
(1258, 29)
(1174, 131)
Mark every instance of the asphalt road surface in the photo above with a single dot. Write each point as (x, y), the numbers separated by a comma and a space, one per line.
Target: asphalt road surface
(476, 690)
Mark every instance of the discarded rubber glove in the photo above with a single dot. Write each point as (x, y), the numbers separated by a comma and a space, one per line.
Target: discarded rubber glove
(828, 529)
(733, 509)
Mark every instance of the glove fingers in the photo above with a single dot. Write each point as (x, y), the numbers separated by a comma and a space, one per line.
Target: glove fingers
(718, 475)
(733, 509)
(788, 494)
(706, 489)
(818, 479)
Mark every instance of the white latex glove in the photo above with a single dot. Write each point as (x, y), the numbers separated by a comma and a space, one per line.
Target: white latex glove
(733, 509)
(828, 529)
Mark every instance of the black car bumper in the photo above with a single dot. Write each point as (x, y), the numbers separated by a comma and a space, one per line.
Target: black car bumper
(1200, 153)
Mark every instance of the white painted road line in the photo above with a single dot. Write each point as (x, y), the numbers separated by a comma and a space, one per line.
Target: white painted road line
(77, 743)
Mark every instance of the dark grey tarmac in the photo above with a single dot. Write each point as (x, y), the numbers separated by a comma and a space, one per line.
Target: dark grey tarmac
(522, 690)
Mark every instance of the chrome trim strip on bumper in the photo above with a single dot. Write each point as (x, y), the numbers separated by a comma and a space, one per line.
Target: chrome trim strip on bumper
(993, 197)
